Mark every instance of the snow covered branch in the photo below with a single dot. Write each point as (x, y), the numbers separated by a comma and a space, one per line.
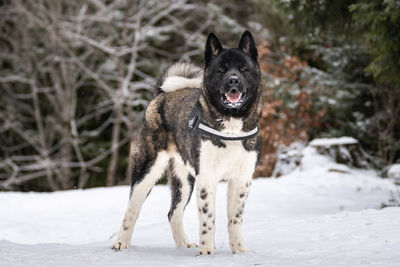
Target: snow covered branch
(78, 77)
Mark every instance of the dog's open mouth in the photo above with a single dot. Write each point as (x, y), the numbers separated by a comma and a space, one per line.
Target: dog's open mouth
(233, 99)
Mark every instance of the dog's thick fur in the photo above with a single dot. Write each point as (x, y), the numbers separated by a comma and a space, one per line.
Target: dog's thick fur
(165, 142)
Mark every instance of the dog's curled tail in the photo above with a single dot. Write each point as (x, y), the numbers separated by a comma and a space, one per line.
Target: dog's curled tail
(180, 75)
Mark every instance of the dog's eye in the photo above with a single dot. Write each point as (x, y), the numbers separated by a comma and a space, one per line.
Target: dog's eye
(221, 70)
(243, 68)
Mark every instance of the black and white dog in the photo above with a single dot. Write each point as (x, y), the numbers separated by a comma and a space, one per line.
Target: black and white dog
(201, 127)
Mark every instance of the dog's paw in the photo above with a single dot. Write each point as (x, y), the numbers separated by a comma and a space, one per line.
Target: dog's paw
(186, 244)
(120, 245)
(239, 249)
(206, 251)
(191, 245)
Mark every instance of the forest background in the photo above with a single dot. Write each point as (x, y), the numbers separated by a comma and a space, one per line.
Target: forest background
(76, 76)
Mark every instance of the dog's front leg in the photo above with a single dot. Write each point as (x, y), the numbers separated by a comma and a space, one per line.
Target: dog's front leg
(206, 190)
(238, 190)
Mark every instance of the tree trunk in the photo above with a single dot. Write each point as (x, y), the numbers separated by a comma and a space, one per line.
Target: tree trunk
(112, 167)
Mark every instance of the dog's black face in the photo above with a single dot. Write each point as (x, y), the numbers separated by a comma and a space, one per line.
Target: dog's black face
(232, 75)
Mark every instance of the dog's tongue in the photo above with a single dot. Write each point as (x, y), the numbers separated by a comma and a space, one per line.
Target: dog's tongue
(233, 97)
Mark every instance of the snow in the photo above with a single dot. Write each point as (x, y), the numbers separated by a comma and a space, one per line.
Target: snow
(394, 172)
(288, 158)
(334, 141)
(322, 214)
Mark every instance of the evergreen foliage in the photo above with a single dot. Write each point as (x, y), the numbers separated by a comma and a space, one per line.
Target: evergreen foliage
(380, 22)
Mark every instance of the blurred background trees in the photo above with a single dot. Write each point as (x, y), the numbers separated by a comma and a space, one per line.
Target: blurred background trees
(341, 59)
(75, 78)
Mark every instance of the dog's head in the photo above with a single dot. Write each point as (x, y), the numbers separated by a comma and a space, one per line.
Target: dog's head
(232, 76)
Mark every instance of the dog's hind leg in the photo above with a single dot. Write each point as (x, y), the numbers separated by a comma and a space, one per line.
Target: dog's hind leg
(181, 183)
(145, 173)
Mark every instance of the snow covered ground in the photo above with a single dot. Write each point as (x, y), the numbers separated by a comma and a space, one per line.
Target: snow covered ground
(323, 214)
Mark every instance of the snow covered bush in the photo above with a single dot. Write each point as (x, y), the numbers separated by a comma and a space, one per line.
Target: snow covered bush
(288, 158)
(394, 173)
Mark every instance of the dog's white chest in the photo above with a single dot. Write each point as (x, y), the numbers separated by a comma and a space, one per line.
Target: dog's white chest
(227, 162)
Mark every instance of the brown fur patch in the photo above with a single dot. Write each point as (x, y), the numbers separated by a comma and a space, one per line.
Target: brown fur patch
(152, 116)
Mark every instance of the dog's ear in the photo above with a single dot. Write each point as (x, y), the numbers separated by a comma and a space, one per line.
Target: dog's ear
(213, 48)
(247, 45)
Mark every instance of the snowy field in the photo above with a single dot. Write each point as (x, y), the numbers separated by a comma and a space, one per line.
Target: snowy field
(323, 214)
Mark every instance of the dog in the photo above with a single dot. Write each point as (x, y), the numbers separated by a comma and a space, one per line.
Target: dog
(200, 128)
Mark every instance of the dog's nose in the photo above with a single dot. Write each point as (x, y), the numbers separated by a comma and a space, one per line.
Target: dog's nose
(233, 80)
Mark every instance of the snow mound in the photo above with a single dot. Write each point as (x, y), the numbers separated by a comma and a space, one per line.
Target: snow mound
(394, 172)
(334, 154)
(314, 161)
(345, 150)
